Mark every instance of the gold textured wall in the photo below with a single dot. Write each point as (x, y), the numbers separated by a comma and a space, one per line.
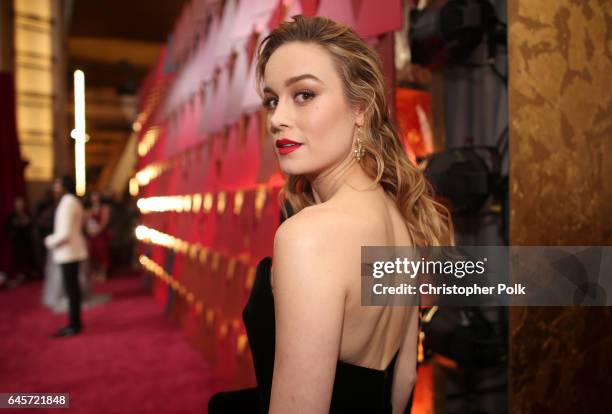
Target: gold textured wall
(560, 91)
(34, 85)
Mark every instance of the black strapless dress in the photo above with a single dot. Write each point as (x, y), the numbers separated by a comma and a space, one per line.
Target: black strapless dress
(356, 389)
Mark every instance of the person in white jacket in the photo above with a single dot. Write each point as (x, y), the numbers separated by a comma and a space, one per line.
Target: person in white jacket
(69, 249)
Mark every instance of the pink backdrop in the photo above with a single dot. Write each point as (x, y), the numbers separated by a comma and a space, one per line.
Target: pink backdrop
(201, 99)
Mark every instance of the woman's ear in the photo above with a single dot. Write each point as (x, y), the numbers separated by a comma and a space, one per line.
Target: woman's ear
(359, 117)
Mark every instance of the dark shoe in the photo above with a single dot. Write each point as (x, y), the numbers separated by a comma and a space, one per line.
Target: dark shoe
(67, 331)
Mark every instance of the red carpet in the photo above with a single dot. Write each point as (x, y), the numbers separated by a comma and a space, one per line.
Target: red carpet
(129, 359)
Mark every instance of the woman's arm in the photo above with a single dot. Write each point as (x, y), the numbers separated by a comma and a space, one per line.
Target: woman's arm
(406, 365)
(309, 298)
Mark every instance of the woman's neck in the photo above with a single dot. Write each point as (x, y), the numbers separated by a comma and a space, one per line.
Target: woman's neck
(347, 174)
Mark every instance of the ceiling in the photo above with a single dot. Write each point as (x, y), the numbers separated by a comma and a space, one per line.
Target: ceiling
(126, 19)
(115, 42)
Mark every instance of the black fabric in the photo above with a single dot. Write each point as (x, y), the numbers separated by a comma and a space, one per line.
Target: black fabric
(259, 321)
(241, 401)
(70, 273)
(356, 389)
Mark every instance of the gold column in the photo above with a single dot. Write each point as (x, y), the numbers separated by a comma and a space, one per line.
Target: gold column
(34, 86)
(560, 192)
(39, 47)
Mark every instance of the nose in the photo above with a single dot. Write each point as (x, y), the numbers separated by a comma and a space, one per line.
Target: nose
(281, 117)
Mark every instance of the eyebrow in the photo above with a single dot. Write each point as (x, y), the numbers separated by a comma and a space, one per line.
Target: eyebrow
(295, 79)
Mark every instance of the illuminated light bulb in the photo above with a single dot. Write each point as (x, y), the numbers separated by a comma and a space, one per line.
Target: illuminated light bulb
(156, 237)
(133, 187)
(141, 232)
(187, 203)
(215, 261)
(203, 255)
(196, 202)
(160, 204)
(260, 201)
(208, 202)
(241, 343)
(238, 202)
(144, 205)
(221, 201)
(250, 278)
(193, 251)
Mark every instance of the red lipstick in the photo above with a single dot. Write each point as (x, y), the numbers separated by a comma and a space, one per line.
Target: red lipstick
(285, 146)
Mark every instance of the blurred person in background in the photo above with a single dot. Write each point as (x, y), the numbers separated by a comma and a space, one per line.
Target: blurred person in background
(69, 249)
(43, 221)
(18, 227)
(124, 216)
(53, 295)
(97, 220)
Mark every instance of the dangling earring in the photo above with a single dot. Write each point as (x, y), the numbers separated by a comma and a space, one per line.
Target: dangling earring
(359, 152)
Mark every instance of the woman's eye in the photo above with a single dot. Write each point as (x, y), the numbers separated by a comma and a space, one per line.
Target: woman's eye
(306, 95)
(269, 103)
(301, 97)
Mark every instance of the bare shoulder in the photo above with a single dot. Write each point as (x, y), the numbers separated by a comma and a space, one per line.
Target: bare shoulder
(319, 245)
(318, 227)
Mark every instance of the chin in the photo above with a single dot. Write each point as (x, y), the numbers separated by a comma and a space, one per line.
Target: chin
(290, 170)
(291, 167)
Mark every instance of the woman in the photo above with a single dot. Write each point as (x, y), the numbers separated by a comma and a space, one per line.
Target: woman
(315, 348)
(98, 215)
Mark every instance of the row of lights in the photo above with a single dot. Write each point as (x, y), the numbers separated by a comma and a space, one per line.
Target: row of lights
(177, 203)
(178, 287)
(151, 102)
(150, 172)
(196, 251)
(148, 140)
(149, 235)
(159, 271)
(201, 201)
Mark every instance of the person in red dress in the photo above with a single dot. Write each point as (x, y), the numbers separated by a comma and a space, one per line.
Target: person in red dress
(97, 231)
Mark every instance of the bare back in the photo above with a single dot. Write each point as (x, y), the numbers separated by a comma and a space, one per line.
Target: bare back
(372, 335)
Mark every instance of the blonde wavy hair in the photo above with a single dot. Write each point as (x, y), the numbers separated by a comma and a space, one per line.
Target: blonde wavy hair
(359, 67)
